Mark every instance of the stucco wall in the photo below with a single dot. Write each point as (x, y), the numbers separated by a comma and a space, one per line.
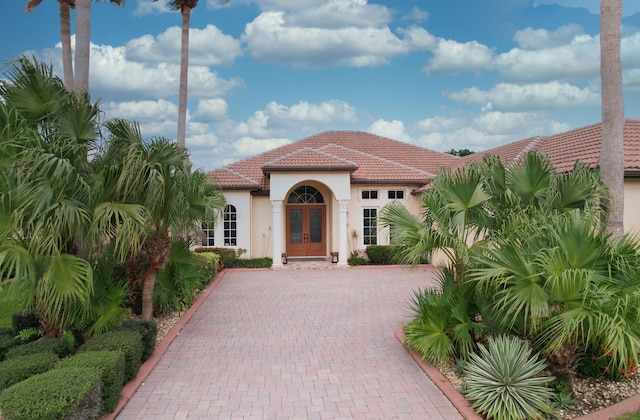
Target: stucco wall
(242, 202)
(357, 204)
(632, 205)
(261, 227)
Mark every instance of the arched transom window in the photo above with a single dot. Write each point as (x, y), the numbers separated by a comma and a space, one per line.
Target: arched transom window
(305, 195)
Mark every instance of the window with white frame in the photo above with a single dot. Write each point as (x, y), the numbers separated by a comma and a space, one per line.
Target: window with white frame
(370, 226)
(230, 226)
(207, 234)
(395, 194)
(369, 194)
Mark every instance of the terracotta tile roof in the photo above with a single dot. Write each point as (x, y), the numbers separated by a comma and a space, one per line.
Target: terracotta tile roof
(307, 159)
(376, 170)
(376, 159)
(396, 161)
(565, 149)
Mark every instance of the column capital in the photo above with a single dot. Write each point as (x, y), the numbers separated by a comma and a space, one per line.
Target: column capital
(342, 205)
(276, 206)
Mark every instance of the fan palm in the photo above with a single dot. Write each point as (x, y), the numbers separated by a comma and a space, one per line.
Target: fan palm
(157, 175)
(50, 221)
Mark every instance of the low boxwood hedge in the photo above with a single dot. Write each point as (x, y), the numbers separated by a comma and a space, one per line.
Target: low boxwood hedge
(111, 365)
(59, 346)
(253, 263)
(127, 341)
(148, 331)
(53, 395)
(20, 368)
(380, 254)
(7, 342)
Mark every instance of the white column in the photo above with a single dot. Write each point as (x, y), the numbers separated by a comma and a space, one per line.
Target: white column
(276, 208)
(342, 232)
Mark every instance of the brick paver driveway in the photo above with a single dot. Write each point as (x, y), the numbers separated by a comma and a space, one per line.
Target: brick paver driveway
(305, 344)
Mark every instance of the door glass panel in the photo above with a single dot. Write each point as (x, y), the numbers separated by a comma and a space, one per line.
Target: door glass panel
(295, 231)
(315, 225)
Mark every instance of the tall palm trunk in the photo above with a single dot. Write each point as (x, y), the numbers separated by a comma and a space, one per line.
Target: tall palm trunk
(612, 151)
(157, 247)
(184, 70)
(65, 40)
(83, 45)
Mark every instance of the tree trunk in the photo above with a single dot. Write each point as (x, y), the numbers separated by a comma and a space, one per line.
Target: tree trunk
(83, 45)
(612, 149)
(184, 70)
(157, 248)
(65, 40)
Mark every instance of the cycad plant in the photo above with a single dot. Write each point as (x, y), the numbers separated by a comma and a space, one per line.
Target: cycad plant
(504, 382)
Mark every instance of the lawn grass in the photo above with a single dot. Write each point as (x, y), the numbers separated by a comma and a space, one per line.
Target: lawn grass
(8, 306)
(630, 416)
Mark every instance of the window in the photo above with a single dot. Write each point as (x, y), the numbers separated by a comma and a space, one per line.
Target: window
(369, 194)
(370, 226)
(207, 234)
(230, 226)
(305, 195)
(396, 194)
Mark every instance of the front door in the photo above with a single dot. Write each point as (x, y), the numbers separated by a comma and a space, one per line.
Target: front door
(306, 230)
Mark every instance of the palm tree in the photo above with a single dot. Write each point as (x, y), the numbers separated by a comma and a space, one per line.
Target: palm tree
(612, 152)
(65, 36)
(51, 221)
(157, 175)
(185, 7)
(83, 40)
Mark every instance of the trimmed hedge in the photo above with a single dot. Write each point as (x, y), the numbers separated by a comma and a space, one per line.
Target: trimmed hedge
(148, 331)
(380, 254)
(110, 365)
(7, 342)
(22, 367)
(53, 395)
(59, 346)
(127, 341)
(355, 260)
(209, 262)
(253, 263)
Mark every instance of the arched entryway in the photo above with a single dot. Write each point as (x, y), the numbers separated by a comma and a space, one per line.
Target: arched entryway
(306, 223)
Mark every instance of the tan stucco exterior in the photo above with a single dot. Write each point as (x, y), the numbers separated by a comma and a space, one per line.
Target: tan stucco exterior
(632, 205)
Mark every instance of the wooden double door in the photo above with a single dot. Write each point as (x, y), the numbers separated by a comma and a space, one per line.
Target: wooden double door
(306, 230)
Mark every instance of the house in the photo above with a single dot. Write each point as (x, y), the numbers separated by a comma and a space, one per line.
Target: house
(320, 196)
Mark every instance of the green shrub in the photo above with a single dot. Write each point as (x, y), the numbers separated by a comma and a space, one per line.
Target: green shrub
(7, 342)
(228, 256)
(380, 254)
(59, 346)
(53, 395)
(127, 341)
(503, 381)
(209, 262)
(22, 367)
(355, 260)
(148, 331)
(253, 263)
(110, 365)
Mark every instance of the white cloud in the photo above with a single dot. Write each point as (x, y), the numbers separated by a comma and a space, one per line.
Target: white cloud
(306, 113)
(391, 129)
(251, 146)
(207, 47)
(416, 14)
(148, 80)
(487, 130)
(214, 109)
(512, 97)
(271, 37)
(452, 57)
(578, 59)
(537, 39)
(438, 123)
(142, 111)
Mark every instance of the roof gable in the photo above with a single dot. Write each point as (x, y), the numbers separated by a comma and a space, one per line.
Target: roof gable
(307, 159)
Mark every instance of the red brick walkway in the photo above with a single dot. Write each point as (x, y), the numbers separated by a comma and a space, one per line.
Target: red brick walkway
(304, 344)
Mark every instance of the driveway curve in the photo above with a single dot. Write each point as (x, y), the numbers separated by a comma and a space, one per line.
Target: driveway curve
(295, 344)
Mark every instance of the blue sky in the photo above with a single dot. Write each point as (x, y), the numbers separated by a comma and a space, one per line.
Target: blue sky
(440, 74)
